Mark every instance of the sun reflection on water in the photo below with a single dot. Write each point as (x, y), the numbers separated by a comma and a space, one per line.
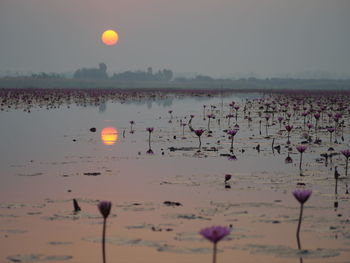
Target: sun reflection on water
(109, 135)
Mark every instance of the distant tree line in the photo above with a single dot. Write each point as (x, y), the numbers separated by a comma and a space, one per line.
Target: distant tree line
(92, 73)
(198, 78)
(161, 75)
(44, 75)
(101, 73)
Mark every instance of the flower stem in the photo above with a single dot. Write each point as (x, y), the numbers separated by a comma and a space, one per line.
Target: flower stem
(214, 252)
(299, 225)
(104, 240)
(231, 149)
(149, 140)
(346, 166)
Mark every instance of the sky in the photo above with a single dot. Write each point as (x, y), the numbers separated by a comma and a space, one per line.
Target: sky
(212, 37)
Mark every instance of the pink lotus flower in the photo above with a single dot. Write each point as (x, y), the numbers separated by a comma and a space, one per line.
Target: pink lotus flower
(105, 208)
(310, 125)
(232, 132)
(302, 195)
(346, 153)
(288, 159)
(150, 129)
(301, 148)
(289, 128)
(331, 129)
(232, 157)
(215, 233)
(199, 132)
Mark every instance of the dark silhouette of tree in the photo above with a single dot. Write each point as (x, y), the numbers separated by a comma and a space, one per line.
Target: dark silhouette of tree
(92, 73)
(161, 75)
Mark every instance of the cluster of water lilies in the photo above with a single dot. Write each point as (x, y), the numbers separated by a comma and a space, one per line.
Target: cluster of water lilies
(214, 234)
(284, 109)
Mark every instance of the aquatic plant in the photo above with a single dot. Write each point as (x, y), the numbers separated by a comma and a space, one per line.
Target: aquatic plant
(214, 234)
(302, 195)
(227, 177)
(280, 119)
(301, 149)
(309, 126)
(171, 115)
(150, 130)
(232, 134)
(105, 208)
(346, 153)
(288, 159)
(199, 133)
(267, 117)
(236, 108)
(210, 116)
(317, 117)
(330, 130)
(336, 177)
(150, 151)
(289, 128)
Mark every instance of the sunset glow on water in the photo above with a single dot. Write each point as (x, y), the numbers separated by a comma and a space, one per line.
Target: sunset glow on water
(39, 184)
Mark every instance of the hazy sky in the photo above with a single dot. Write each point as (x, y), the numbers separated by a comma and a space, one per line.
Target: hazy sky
(214, 37)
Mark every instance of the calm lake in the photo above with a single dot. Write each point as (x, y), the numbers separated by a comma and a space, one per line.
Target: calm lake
(166, 189)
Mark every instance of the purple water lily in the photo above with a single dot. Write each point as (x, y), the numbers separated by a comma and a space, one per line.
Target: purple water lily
(346, 153)
(289, 128)
(214, 234)
(105, 208)
(330, 130)
(232, 133)
(301, 149)
(302, 195)
(199, 133)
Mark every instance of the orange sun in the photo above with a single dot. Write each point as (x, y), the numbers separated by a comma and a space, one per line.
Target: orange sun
(110, 37)
(109, 135)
